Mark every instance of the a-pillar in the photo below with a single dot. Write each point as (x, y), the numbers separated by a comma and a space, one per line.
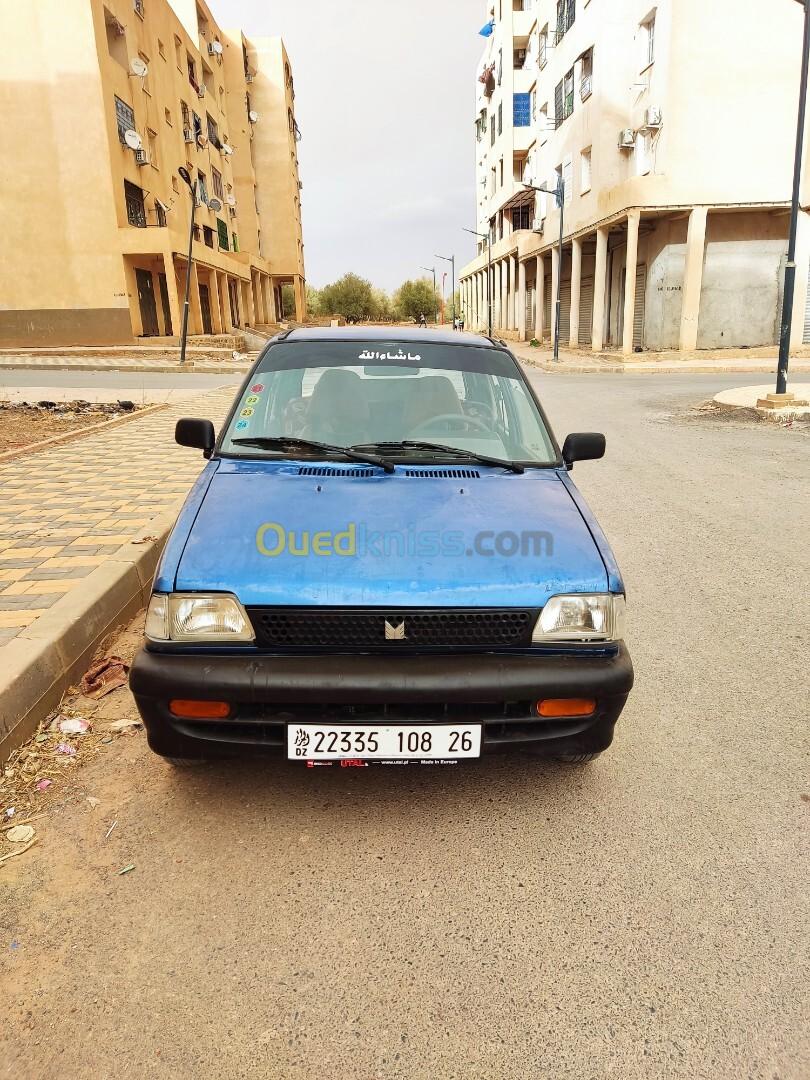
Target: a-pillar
(800, 295)
(512, 322)
(521, 301)
(599, 291)
(195, 323)
(539, 299)
(576, 283)
(174, 298)
(214, 302)
(555, 278)
(692, 279)
(633, 219)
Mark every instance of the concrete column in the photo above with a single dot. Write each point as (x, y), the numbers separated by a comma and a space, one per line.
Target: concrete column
(512, 321)
(254, 292)
(195, 325)
(267, 292)
(132, 296)
(599, 291)
(555, 277)
(633, 219)
(576, 283)
(539, 298)
(213, 299)
(248, 311)
(505, 286)
(299, 290)
(482, 299)
(692, 279)
(225, 303)
(174, 298)
(521, 301)
(800, 296)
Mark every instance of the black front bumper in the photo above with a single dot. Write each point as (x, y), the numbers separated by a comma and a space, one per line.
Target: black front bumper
(267, 692)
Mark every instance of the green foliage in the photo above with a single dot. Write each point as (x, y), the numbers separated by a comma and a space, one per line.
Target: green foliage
(415, 298)
(350, 296)
(287, 302)
(313, 302)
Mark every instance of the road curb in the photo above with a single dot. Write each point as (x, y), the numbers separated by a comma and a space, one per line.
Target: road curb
(626, 369)
(56, 649)
(235, 368)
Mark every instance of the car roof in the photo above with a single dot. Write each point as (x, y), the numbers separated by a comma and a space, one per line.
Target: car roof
(393, 333)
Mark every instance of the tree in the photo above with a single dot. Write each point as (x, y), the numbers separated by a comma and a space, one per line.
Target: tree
(350, 296)
(313, 302)
(415, 298)
(383, 309)
(287, 302)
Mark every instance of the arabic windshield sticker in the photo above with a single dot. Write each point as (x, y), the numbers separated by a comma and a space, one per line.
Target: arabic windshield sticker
(399, 357)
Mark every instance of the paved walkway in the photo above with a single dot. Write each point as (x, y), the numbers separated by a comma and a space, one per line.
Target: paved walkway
(579, 360)
(64, 511)
(164, 362)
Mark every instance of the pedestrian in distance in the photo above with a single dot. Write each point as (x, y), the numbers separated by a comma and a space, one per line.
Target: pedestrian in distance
(422, 319)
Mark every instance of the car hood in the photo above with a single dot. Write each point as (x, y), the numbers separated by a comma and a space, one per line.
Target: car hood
(420, 537)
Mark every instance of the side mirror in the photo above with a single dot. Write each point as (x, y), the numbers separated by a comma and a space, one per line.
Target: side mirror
(197, 433)
(583, 446)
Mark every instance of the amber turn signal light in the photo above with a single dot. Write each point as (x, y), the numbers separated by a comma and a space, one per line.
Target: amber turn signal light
(566, 706)
(199, 710)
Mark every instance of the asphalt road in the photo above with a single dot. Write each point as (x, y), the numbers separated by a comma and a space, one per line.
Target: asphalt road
(645, 916)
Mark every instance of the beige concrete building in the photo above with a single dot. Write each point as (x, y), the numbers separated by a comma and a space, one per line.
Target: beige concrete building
(671, 126)
(102, 102)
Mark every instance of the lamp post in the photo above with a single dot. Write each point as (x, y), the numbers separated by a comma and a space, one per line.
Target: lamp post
(485, 236)
(559, 193)
(184, 175)
(432, 270)
(452, 260)
(790, 268)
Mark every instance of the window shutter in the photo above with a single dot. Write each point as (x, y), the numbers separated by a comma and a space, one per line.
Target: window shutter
(558, 104)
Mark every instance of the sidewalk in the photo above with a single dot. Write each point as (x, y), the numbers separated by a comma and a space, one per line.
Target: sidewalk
(575, 361)
(212, 361)
(81, 527)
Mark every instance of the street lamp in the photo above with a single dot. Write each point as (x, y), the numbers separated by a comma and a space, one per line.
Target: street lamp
(790, 268)
(452, 260)
(485, 236)
(559, 193)
(184, 175)
(432, 270)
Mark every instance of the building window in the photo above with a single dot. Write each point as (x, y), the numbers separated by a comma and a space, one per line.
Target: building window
(500, 118)
(585, 171)
(222, 234)
(178, 52)
(192, 72)
(568, 179)
(196, 125)
(533, 103)
(201, 187)
(213, 132)
(519, 59)
(522, 110)
(566, 13)
(493, 131)
(116, 39)
(175, 185)
(521, 218)
(648, 41)
(500, 171)
(586, 75)
(216, 180)
(136, 211)
(167, 115)
(161, 49)
(564, 98)
(138, 7)
(124, 118)
(160, 214)
(151, 140)
(235, 242)
(542, 53)
(208, 236)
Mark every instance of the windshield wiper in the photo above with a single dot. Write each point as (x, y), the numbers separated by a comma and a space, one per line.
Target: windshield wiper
(417, 444)
(282, 442)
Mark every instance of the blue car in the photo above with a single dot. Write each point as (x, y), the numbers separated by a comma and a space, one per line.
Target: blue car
(385, 559)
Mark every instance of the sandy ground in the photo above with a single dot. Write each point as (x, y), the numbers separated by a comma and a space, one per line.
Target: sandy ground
(642, 917)
(20, 426)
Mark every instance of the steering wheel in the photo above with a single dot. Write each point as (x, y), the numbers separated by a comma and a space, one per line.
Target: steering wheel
(466, 422)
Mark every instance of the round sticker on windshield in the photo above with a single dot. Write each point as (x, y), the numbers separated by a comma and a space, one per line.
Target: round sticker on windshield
(251, 400)
(257, 388)
(241, 424)
(246, 412)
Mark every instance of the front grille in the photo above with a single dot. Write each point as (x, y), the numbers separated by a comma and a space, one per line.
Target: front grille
(330, 629)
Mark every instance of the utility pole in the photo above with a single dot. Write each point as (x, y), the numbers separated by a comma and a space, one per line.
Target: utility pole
(559, 193)
(485, 236)
(790, 268)
(184, 175)
(452, 260)
(432, 270)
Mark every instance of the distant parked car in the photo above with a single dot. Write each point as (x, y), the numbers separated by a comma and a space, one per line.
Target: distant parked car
(385, 558)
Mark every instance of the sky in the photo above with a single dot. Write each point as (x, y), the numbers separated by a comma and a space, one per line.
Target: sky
(385, 99)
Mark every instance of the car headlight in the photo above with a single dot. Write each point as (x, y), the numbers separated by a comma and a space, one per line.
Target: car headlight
(197, 617)
(581, 617)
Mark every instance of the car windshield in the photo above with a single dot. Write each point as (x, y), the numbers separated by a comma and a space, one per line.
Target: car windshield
(369, 394)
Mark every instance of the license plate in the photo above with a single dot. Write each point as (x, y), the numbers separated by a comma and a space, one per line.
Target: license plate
(333, 742)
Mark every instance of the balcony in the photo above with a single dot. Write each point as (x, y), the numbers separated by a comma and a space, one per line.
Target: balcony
(523, 23)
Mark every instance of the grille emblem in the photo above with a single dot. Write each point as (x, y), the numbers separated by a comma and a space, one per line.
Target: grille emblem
(395, 631)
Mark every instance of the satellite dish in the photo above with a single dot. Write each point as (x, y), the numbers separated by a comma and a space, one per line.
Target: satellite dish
(216, 48)
(138, 67)
(230, 200)
(215, 205)
(132, 139)
(253, 116)
(226, 149)
(202, 140)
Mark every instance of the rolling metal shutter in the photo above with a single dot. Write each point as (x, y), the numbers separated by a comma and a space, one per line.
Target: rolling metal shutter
(547, 306)
(586, 311)
(565, 311)
(638, 315)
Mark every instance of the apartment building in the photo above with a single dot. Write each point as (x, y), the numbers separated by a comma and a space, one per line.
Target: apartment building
(670, 129)
(103, 101)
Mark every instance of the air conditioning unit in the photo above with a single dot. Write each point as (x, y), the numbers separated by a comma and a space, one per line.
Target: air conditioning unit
(199, 201)
(215, 48)
(520, 58)
(253, 116)
(141, 157)
(538, 225)
(201, 90)
(627, 139)
(188, 135)
(232, 211)
(653, 117)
